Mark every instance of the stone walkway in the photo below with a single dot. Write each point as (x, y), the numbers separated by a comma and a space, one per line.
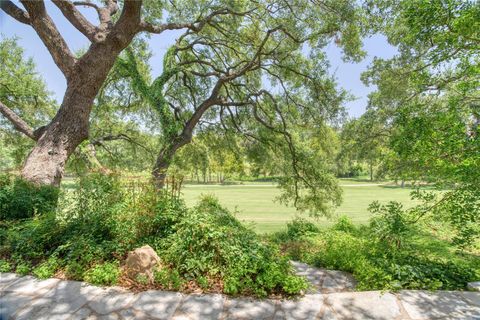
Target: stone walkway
(323, 280)
(52, 299)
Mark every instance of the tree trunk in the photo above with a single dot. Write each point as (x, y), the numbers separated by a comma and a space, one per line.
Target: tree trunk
(165, 157)
(46, 162)
(371, 172)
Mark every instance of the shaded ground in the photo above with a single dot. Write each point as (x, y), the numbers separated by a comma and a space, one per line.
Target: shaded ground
(27, 298)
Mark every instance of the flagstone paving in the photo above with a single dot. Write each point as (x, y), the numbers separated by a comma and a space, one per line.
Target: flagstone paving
(52, 299)
(323, 280)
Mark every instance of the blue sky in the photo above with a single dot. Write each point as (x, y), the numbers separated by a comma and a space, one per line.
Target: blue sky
(347, 74)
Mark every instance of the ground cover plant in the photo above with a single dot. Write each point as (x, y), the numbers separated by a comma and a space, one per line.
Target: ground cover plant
(418, 256)
(88, 236)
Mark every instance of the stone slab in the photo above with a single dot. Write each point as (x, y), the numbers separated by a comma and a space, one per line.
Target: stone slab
(472, 298)
(82, 313)
(362, 305)
(30, 286)
(132, 314)
(40, 309)
(323, 280)
(158, 304)
(65, 299)
(12, 303)
(200, 307)
(307, 308)
(7, 279)
(440, 304)
(111, 300)
(245, 309)
(344, 280)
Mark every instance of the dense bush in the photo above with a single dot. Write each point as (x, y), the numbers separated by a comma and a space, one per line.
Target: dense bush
(345, 224)
(94, 227)
(297, 229)
(390, 223)
(103, 274)
(376, 266)
(210, 243)
(20, 199)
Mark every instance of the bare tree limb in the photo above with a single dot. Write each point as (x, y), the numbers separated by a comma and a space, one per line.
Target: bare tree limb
(129, 19)
(111, 137)
(76, 18)
(18, 123)
(50, 36)
(15, 12)
(148, 27)
(104, 13)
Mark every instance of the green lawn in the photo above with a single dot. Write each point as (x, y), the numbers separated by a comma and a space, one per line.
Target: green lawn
(255, 201)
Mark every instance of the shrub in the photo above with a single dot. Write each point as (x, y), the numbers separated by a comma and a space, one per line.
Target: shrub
(344, 223)
(5, 266)
(209, 241)
(340, 250)
(20, 199)
(35, 238)
(299, 227)
(96, 224)
(80, 234)
(46, 269)
(376, 267)
(103, 274)
(390, 223)
(168, 279)
(23, 268)
(74, 270)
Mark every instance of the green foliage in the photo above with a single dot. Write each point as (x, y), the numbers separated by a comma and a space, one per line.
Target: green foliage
(345, 224)
(105, 274)
(46, 269)
(22, 90)
(99, 222)
(364, 140)
(33, 238)
(5, 266)
(210, 242)
(426, 102)
(299, 227)
(23, 268)
(169, 279)
(141, 279)
(376, 267)
(390, 224)
(20, 199)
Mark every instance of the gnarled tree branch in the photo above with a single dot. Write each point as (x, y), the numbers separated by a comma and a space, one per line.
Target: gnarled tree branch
(18, 123)
(15, 12)
(50, 36)
(77, 19)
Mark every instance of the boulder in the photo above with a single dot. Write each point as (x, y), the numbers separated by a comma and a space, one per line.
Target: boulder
(141, 261)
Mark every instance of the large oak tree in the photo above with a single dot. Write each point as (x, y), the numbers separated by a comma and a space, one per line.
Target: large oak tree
(86, 74)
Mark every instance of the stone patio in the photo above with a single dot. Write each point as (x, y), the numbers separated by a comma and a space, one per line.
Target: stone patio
(52, 299)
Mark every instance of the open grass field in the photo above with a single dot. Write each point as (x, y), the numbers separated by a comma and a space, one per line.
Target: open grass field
(255, 202)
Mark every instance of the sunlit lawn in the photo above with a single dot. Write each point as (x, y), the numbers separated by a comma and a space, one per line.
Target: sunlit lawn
(255, 202)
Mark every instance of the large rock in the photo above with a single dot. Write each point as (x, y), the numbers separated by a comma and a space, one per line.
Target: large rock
(141, 261)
